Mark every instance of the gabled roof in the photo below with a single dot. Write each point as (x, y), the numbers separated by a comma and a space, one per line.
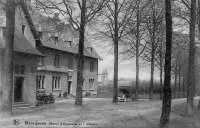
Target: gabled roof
(48, 41)
(86, 51)
(73, 35)
(21, 44)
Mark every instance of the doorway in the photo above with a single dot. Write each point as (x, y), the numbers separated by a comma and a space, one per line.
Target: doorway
(18, 89)
(69, 87)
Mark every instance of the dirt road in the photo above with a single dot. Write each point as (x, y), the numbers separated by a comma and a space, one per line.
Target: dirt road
(99, 113)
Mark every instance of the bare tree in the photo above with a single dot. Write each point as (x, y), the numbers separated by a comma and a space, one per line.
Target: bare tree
(166, 103)
(112, 27)
(6, 106)
(78, 13)
(159, 61)
(179, 56)
(153, 22)
(191, 79)
(133, 45)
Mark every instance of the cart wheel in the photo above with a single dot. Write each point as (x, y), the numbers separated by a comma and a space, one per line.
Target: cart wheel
(52, 101)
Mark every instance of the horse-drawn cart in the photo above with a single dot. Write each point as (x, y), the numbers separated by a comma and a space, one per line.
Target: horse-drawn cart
(125, 93)
(42, 98)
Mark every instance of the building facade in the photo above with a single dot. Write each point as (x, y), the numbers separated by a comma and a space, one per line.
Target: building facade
(45, 58)
(57, 70)
(24, 59)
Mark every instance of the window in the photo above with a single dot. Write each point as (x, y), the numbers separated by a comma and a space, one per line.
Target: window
(70, 63)
(40, 61)
(68, 43)
(4, 31)
(56, 83)
(40, 34)
(83, 85)
(69, 78)
(40, 81)
(56, 39)
(23, 29)
(19, 69)
(83, 64)
(56, 60)
(91, 84)
(90, 49)
(91, 66)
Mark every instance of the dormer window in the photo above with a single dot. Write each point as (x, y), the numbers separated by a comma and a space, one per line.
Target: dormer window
(68, 43)
(40, 34)
(67, 39)
(90, 49)
(23, 29)
(76, 41)
(56, 38)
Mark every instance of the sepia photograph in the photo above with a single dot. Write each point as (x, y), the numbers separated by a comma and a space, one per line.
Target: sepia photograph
(99, 63)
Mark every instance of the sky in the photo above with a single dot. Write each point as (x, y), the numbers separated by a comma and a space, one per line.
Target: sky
(127, 68)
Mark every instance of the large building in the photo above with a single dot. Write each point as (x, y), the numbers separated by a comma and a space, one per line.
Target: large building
(45, 57)
(57, 71)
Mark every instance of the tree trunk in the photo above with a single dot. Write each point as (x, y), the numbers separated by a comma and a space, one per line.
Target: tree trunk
(137, 52)
(78, 101)
(115, 81)
(161, 83)
(152, 56)
(6, 106)
(175, 85)
(191, 80)
(179, 83)
(183, 84)
(199, 34)
(166, 102)
(137, 75)
(152, 73)
(161, 71)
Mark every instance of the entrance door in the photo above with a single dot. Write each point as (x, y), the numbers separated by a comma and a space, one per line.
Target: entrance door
(18, 89)
(69, 87)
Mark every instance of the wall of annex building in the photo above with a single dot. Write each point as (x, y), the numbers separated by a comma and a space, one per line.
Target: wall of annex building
(29, 83)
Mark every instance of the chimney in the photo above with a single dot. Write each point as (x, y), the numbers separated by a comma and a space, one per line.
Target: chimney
(56, 16)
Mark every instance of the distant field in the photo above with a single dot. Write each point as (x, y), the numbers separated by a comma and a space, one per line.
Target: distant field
(144, 96)
(141, 96)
